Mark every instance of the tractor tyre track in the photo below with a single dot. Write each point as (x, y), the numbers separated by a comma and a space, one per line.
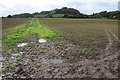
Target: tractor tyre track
(109, 33)
(113, 34)
(109, 38)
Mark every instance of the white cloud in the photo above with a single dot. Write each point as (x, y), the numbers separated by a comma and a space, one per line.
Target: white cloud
(95, 7)
(94, 0)
(20, 6)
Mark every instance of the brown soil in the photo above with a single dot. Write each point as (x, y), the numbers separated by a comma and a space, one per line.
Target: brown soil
(48, 60)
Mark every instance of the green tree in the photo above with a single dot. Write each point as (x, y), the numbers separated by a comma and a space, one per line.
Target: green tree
(9, 16)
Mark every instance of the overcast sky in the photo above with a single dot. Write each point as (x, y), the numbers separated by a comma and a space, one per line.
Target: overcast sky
(30, 6)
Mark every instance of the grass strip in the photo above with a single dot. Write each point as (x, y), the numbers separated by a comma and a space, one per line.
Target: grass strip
(32, 27)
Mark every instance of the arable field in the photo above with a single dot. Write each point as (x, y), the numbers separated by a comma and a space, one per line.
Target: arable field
(86, 32)
(88, 26)
(60, 48)
(13, 22)
(10, 25)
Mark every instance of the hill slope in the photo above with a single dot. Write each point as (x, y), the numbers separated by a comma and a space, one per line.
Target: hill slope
(67, 13)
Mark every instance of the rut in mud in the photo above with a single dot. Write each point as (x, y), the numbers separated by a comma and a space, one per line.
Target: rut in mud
(110, 40)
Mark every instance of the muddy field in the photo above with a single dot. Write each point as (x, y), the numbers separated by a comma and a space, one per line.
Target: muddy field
(64, 48)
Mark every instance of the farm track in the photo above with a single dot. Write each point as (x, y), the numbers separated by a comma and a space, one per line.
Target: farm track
(109, 38)
(113, 34)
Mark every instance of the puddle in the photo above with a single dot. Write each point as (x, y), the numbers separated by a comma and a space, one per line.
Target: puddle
(0, 44)
(56, 61)
(45, 62)
(42, 41)
(1, 59)
(0, 77)
(22, 44)
(16, 54)
(52, 61)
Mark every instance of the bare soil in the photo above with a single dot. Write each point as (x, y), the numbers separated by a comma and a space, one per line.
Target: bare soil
(51, 60)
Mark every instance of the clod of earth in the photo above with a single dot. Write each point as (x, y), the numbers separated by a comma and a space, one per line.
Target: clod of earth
(56, 61)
